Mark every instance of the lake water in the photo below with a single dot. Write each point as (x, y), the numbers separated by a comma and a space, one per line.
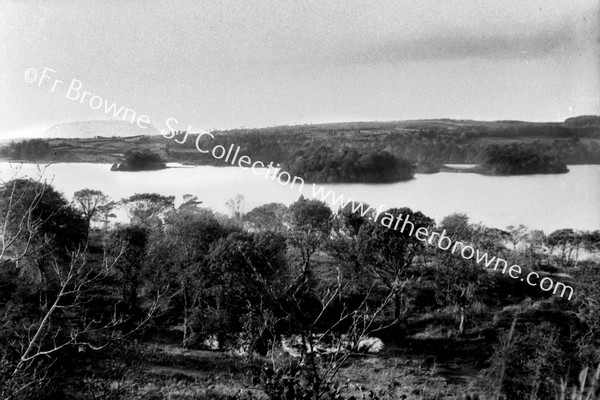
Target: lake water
(546, 202)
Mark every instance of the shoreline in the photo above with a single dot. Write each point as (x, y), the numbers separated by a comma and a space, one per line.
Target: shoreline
(448, 168)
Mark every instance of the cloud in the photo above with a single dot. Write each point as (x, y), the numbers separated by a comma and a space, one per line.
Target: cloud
(453, 46)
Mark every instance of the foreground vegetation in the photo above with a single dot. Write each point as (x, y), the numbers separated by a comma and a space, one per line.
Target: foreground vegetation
(291, 298)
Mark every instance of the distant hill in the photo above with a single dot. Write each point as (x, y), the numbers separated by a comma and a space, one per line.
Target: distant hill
(587, 121)
(580, 126)
(92, 129)
(427, 143)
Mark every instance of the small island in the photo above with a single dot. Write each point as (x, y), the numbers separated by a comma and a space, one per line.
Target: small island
(347, 165)
(140, 161)
(515, 160)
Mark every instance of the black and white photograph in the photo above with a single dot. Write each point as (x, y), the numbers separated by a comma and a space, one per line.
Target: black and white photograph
(300, 200)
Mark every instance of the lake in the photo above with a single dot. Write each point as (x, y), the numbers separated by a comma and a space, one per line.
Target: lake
(546, 202)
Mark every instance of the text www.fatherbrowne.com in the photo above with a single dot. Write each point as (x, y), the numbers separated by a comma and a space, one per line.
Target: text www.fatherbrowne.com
(388, 220)
(283, 178)
(442, 241)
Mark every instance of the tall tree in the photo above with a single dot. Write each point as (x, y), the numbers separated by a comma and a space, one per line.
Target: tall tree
(126, 245)
(145, 207)
(311, 222)
(389, 253)
(90, 202)
(457, 226)
(236, 207)
(243, 265)
(518, 234)
(268, 217)
(39, 227)
(343, 245)
(188, 235)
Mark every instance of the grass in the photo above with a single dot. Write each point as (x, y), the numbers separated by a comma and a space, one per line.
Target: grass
(417, 370)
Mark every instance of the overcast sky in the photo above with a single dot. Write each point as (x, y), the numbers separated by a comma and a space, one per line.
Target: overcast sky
(227, 64)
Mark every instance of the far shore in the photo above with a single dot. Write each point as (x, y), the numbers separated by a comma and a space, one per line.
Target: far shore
(450, 168)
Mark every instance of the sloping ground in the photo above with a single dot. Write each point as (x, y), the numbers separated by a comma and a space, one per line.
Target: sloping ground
(178, 373)
(394, 374)
(103, 150)
(426, 362)
(90, 129)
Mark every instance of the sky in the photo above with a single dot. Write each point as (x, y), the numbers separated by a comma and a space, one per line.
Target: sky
(248, 63)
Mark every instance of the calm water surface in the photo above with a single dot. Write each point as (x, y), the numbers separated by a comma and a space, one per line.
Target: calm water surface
(546, 202)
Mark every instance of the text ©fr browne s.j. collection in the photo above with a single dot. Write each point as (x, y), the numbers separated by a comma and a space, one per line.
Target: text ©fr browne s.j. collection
(76, 93)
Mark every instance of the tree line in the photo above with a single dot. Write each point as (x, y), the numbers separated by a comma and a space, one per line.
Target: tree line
(34, 149)
(428, 144)
(82, 297)
(424, 143)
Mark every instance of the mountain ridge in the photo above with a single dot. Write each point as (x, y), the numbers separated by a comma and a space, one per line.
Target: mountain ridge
(97, 128)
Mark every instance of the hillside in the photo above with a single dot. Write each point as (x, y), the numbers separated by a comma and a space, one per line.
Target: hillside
(92, 129)
(427, 143)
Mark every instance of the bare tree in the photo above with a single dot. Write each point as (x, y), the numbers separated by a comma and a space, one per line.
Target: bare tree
(324, 344)
(46, 335)
(236, 207)
(19, 227)
(32, 341)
